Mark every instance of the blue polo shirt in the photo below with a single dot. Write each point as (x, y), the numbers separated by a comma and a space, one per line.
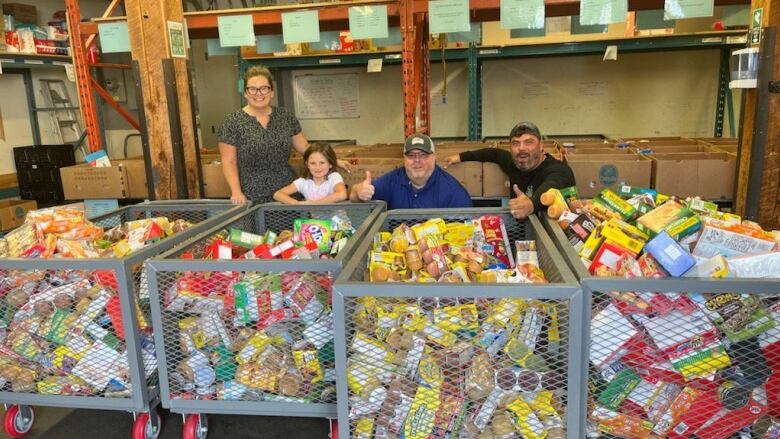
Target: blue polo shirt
(441, 191)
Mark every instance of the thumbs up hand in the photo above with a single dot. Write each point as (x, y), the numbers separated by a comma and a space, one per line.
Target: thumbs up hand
(366, 189)
(521, 206)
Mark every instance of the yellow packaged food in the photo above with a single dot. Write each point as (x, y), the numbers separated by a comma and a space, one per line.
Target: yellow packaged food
(308, 364)
(419, 421)
(253, 347)
(506, 313)
(525, 420)
(364, 429)
(457, 318)
(429, 370)
(432, 227)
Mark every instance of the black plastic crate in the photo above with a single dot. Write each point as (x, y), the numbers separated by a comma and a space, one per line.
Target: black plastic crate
(56, 156)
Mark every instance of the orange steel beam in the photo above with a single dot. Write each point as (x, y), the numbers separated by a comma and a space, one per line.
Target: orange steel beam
(408, 67)
(115, 105)
(83, 78)
(425, 83)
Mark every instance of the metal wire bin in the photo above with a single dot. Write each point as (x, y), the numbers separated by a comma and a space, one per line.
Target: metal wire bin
(249, 336)
(515, 353)
(699, 359)
(66, 323)
(679, 357)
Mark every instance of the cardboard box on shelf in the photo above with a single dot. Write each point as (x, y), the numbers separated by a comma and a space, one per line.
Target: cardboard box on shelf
(595, 172)
(708, 175)
(669, 149)
(126, 178)
(22, 13)
(495, 183)
(469, 174)
(13, 212)
(214, 183)
(377, 166)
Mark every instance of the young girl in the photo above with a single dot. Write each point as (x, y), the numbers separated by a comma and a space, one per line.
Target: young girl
(320, 183)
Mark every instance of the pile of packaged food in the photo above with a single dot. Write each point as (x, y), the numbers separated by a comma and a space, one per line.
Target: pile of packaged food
(478, 250)
(61, 331)
(677, 364)
(455, 367)
(64, 232)
(257, 336)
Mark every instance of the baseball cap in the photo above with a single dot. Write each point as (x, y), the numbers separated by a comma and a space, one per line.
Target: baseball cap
(419, 141)
(525, 128)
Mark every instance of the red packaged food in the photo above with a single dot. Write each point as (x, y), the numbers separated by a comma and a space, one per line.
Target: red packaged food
(497, 238)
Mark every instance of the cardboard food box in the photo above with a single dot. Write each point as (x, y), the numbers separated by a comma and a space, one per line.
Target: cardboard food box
(469, 174)
(495, 183)
(708, 175)
(596, 172)
(124, 179)
(729, 149)
(653, 139)
(21, 12)
(377, 166)
(669, 149)
(13, 212)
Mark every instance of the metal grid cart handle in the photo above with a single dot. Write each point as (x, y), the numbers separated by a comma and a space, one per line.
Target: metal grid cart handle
(76, 331)
(500, 357)
(249, 336)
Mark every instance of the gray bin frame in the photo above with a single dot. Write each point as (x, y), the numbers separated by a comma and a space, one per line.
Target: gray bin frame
(756, 286)
(593, 284)
(143, 396)
(165, 263)
(566, 290)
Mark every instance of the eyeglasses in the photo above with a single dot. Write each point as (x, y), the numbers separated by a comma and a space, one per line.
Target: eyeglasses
(417, 156)
(264, 90)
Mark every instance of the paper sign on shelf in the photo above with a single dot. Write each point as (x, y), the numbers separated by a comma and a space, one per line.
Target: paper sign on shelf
(446, 16)
(301, 27)
(368, 22)
(375, 65)
(114, 37)
(594, 12)
(236, 30)
(522, 14)
(676, 9)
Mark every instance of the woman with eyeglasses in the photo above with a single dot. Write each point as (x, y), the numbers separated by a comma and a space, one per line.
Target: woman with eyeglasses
(255, 142)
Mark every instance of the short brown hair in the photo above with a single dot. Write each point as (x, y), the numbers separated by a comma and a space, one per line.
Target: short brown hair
(258, 71)
(323, 148)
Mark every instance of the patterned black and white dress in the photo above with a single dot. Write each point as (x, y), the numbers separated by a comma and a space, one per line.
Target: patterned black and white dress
(262, 153)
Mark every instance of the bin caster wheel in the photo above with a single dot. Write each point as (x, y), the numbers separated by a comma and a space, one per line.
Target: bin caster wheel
(195, 427)
(18, 420)
(334, 429)
(145, 428)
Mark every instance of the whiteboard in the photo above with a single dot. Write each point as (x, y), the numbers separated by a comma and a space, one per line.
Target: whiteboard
(328, 96)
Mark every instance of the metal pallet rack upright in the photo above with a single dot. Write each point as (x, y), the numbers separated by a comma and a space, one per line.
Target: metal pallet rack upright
(77, 331)
(284, 300)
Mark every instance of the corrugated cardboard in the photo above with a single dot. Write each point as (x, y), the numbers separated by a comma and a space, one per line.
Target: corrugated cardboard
(377, 166)
(214, 183)
(124, 179)
(469, 174)
(13, 212)
(671, 149)
(495, 183)
(708, 175)
(595, 172)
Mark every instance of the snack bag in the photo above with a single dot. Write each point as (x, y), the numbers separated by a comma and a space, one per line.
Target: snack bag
(496, 239)
(313, 230)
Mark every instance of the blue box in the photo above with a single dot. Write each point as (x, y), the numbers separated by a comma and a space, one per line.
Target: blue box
(669, 254)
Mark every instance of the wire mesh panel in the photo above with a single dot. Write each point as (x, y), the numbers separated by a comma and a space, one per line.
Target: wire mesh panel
(77, 332)
(458, 360)
(251, 335)
(699, 359)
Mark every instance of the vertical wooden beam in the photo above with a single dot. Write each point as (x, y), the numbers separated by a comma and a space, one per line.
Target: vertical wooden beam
(769, 205)
(148, 26)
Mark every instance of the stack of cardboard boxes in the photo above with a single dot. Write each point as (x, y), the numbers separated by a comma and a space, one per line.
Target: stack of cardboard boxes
(708, 165)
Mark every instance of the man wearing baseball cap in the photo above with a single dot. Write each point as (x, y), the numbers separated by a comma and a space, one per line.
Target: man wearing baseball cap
(420, 184)
(531, 171)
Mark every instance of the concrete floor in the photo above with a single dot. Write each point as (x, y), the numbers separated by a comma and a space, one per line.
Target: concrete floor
(57, 423)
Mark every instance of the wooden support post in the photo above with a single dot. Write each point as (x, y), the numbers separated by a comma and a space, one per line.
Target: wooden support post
(768, 172)
(148, 26)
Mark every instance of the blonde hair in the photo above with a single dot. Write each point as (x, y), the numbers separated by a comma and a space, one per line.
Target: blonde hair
(258, 71)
